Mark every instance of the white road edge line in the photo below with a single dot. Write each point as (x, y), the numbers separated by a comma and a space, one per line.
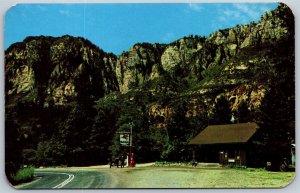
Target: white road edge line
(70, 178)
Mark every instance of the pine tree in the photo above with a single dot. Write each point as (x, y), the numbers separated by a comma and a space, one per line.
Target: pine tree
(243, 113)
(221, 111)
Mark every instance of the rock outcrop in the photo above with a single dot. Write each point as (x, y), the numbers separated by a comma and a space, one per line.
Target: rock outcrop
(222, 61)
(139, 64)
(49, 70)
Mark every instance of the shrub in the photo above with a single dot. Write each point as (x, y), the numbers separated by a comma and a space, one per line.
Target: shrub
(24, 175)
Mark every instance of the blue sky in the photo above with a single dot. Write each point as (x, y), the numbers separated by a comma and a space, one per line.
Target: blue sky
(117, 27)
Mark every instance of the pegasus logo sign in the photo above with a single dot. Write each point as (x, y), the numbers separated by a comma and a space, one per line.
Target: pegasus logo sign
(124, 139)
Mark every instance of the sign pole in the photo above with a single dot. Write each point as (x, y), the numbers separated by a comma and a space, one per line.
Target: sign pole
(130, 145)
(131, 153)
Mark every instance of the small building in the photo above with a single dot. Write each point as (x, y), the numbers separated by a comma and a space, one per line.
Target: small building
(226, 144)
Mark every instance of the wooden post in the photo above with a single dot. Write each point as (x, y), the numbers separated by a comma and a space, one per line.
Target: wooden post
(194, 156)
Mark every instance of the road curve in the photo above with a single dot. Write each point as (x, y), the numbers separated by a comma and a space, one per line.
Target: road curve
(68, 179)
(62, 184)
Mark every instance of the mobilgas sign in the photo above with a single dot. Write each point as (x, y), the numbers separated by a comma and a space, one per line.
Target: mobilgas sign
(124, 138)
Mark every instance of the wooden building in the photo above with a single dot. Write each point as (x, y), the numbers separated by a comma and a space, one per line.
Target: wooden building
(226, 144)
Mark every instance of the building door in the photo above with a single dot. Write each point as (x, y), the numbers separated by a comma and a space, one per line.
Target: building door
(223, 157)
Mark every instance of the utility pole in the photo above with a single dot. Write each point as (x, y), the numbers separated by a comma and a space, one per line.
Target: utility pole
(130, 143)
(131, 160)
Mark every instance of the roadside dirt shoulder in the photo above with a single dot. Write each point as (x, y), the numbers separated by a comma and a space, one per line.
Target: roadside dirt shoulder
(188, 177)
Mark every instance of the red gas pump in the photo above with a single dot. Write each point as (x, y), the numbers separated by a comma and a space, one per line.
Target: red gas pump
(132, 163)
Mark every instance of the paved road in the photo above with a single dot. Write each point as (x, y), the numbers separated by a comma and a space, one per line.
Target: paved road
(56, 179)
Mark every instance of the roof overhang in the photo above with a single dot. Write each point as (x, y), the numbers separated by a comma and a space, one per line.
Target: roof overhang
(226, 134)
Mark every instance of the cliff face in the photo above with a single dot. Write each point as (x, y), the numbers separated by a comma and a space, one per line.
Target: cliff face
(228, 61)
(49, 70)
(138, 65)
(53, 70)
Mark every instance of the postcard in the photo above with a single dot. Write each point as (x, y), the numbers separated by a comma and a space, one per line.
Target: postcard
(149, 95)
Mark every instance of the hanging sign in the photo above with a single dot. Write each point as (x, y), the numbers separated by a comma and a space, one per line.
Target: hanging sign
(124, 138)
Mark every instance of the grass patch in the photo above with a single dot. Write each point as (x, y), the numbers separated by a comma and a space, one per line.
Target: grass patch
(24, 175)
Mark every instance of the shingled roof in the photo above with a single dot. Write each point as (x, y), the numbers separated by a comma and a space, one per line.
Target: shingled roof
(222, 134)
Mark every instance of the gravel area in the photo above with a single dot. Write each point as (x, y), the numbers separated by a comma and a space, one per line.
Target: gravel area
(200, 177)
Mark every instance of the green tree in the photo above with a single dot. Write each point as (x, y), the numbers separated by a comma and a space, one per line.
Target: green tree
(156, 139)
(221, 111)
(243, 113)
(51, 152)
(276, 118)
(75, 131)
(178, 129)
(13, 144)
(99, 143)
